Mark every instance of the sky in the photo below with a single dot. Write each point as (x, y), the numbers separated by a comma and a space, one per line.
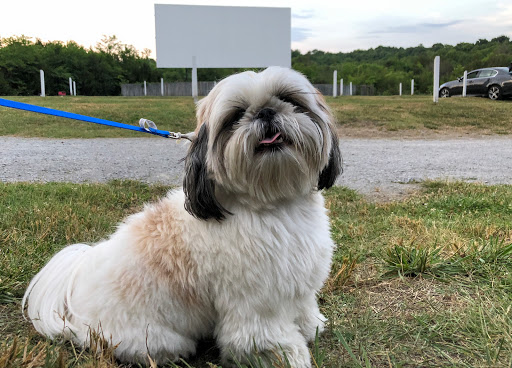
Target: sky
(332, 26)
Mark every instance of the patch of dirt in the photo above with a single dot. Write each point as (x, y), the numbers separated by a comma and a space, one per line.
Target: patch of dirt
(404, 298)
(393, 193)
(400, 297)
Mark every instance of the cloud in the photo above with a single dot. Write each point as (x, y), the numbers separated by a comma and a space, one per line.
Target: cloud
(301, 34)
(416, 28)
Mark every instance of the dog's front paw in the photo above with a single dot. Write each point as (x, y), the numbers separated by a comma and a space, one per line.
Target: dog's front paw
(293, 356)
(298, 357)
(309, 324)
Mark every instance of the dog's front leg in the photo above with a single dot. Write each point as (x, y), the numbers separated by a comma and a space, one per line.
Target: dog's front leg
(309, 318)
(246, 335)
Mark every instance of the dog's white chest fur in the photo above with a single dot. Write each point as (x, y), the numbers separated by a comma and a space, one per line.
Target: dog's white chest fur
(283, 252)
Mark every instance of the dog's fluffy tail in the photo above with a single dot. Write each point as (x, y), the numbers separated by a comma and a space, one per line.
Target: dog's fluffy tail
(47, 296)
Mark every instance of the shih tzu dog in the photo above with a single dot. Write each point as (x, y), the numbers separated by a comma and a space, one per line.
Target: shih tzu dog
(238, 254)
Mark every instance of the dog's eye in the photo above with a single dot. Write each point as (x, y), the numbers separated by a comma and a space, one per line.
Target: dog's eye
(234, 117)
(299, 107)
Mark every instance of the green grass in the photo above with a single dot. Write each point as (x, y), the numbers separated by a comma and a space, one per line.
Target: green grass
(169, 113)
(390, 114)
(419, 112)
(421, 282)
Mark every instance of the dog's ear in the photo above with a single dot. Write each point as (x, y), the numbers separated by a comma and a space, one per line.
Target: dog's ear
(199, 188)
(328, 175)
(334, 166)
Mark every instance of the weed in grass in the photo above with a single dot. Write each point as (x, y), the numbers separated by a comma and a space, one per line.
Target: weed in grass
(493, 251)
(412, 261)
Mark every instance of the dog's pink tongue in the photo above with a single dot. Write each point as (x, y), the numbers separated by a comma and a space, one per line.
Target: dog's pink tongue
(270, 140)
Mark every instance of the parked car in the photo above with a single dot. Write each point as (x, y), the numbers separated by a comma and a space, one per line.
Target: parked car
(494, 83)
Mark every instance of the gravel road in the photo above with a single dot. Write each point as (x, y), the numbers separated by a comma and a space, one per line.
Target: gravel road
(375, 167)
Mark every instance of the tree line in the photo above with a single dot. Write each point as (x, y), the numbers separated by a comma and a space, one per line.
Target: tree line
(102, 69)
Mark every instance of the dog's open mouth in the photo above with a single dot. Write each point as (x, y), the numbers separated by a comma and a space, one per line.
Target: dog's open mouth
(271, 142)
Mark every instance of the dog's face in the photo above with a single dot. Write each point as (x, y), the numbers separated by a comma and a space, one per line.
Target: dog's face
(261, 138)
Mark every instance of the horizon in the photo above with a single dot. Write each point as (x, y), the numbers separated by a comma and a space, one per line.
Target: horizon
(35, 39)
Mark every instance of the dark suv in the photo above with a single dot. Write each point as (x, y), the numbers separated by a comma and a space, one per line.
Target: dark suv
(494, 83)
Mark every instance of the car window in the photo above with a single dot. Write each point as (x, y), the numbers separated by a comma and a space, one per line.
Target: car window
(472, 75)
(487, 73)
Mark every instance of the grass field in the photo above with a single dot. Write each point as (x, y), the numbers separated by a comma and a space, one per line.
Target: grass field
(422, 282)
(173, 113)
(425, 281)
(385, 114)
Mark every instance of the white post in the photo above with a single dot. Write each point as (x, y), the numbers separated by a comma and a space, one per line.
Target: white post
(145, 89)
(350, 89)
(41, 75)
(400, 89)
(464, 83)
(162, 86)
(412, 87)
(437, 64)
(341, 87)
(194, 79)
(334, 83)
(74, 88)
(70, 86)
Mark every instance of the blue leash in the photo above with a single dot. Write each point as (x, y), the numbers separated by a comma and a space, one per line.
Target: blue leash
(145, 126)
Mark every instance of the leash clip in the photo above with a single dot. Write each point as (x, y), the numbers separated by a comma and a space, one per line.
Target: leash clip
(174, 135)
(150, 127)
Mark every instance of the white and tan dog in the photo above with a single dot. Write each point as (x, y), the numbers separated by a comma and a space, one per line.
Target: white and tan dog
(239, 254)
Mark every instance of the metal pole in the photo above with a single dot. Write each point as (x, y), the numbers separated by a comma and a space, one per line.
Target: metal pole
(334, 83)
(341, 87)
(400, 89)
(70, 86)
(464, 83)
(145, 89)
(412, 87)
(41, 75)
(350, 89)
(74, 88)
(162, 86)
(437, 64)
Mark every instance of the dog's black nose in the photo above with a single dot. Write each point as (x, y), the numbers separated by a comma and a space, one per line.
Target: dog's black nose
(266, 114)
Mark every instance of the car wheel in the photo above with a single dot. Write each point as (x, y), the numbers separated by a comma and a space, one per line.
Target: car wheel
(444, 93)
(494, 92)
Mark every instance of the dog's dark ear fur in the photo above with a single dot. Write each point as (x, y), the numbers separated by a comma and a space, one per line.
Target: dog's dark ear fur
(328, 176)
(199, 188)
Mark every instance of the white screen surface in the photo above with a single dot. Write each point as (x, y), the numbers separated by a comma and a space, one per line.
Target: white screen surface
(222, 36)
